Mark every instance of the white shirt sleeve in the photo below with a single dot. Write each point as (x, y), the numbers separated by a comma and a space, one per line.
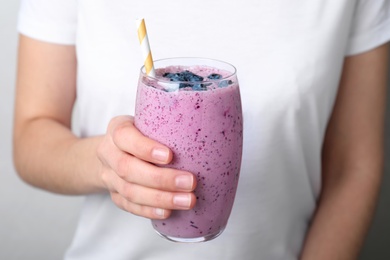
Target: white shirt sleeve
(370, 26)
(49, 20)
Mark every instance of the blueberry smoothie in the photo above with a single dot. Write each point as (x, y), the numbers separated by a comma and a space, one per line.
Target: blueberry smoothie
(196, 112)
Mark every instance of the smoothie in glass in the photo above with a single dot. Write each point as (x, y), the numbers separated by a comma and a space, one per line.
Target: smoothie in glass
(193, 106)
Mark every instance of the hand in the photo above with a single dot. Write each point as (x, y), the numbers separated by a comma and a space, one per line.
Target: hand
(137, 185)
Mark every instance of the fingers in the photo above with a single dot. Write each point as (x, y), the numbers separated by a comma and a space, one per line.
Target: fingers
(127, 138)
(136, 171)
(156, 198)
(139, 210)
(135, 183)
(147, 202)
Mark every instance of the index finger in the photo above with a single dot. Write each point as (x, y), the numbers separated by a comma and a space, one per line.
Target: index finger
(129, 139)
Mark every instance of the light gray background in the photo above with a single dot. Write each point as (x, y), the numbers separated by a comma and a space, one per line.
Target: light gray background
(38, 225)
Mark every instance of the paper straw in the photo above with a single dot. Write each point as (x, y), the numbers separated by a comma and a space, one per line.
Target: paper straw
(145, 47)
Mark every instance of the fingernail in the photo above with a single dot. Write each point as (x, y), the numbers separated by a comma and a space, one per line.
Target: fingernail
(182, 201)
(160, 154)
(184, 182)
(159, 212)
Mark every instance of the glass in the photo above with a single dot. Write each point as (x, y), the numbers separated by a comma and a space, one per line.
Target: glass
(200, 120)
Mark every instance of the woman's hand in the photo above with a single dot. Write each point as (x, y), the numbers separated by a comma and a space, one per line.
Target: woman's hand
(137, 185)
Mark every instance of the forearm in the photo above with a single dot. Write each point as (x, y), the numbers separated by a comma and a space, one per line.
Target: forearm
(343, 216)
(47, 155)
(352, 160)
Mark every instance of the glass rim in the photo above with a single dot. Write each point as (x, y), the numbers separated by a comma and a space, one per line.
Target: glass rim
(231, 73)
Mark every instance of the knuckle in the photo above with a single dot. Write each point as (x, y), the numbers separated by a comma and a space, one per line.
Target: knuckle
(123, 165)
(131, 209)
(138, 210)
(158, 198)
(162, 198)
(125, 205)
(117, 132)
(104, 176)
(158, 179)
(148, 212)
(115, 121)
(145, 211)
(128, 191)
(118, 127)
(111, 125)
(141, 147)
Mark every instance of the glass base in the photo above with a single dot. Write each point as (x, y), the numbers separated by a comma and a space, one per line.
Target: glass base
(192, 239)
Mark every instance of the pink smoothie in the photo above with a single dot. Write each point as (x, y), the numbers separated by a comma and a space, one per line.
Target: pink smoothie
(204, 131)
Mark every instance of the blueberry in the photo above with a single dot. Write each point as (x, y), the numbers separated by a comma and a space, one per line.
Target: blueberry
(214, 76)
(185, 85)
(168, 75)
(174, 76)
(178, 77)
(225, 83)
(199, 87)
(189, 76)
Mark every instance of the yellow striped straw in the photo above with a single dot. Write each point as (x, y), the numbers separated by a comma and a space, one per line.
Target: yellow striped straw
(145, 47)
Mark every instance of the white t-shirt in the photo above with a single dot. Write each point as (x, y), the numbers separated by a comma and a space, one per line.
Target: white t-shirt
(289, 56)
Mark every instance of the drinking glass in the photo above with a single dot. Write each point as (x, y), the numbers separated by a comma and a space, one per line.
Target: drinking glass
(200, 120)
